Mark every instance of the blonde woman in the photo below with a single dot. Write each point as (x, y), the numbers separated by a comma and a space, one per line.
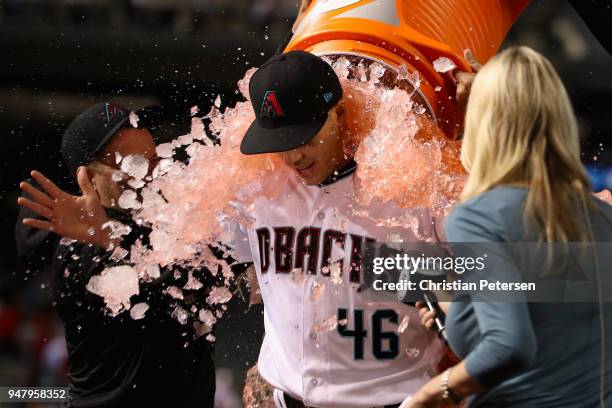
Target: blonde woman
(526, 183)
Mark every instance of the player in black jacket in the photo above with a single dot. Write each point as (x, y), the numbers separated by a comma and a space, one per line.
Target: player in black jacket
(154, 358)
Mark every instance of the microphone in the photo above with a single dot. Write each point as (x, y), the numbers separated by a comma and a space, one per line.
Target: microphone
(431, 301)
(410, 297)
(427, 296)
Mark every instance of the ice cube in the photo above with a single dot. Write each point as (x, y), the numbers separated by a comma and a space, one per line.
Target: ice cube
(180, 315)
(162, 167)
(133, 118)
(403, 324)
(117, 229)
(135, 165)
(174, 292)
(376, 72)
(316, 290)
(138, 311)
(402, 72)
(117, 175)
(148, 272)
(326, 325)
(335, 272)
(193, 149)
(185, 140)
(164, 150)
(67, 241)
(414, 79)
(116, 285)
(136, 183)
(219, 294)
(192, 282)
(443, 64)
(207, 317)
(119, 253)
(129, 200)
(297, 275)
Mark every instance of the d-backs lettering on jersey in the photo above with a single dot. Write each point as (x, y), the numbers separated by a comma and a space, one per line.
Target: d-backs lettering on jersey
(304, 250)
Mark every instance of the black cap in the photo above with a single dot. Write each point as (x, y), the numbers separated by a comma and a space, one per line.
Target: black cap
(95, 126)
(291, 95)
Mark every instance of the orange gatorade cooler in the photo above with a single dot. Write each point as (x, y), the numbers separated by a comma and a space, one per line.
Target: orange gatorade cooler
(412, 33)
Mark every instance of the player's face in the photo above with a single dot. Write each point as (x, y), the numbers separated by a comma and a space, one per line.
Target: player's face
(323, 155)
(126, 142)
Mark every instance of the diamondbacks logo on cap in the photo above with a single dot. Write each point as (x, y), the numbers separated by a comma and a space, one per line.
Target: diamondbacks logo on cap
(110, 110)
(270, 107)
(328, 96)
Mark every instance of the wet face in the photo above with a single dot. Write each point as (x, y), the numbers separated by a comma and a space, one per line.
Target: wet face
(126, 142)
(324, 154)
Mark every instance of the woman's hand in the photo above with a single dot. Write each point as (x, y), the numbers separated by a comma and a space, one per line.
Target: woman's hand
(429, 396)
(76, 217)
(427, 316)
(464, 80)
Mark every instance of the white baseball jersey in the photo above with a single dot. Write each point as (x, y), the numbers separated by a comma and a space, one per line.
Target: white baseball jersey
(364, 360)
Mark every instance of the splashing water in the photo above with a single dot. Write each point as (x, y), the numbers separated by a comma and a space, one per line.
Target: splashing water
(183, 203)
(400, 153)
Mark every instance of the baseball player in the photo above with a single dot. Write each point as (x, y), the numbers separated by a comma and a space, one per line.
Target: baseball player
(325, 346)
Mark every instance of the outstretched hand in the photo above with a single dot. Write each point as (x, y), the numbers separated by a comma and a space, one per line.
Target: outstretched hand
(71, 216)
(464, 80)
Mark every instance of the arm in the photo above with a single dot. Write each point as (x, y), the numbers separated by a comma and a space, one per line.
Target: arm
(464, 80)
(508, 343)
(508, 346)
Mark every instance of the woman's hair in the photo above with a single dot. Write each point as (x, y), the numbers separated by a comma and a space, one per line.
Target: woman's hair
(520, 128)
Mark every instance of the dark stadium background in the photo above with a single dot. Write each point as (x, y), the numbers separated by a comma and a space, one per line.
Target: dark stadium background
(59, 56)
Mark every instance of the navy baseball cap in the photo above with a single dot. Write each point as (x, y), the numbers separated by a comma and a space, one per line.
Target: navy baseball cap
(291, 96)
(95, 126)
